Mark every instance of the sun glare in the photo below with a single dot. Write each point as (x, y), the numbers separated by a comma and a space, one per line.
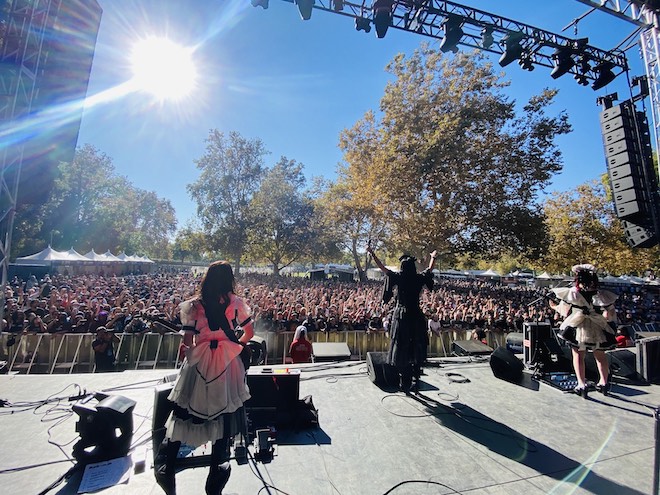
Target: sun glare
(163, 68)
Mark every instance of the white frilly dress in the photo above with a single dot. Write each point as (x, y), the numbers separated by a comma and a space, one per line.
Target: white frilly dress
(211, 388)
(590, 320)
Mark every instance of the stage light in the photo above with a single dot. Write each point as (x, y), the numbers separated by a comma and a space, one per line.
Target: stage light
(382, 16)
(584, 68)
(453, 33)
(260, 3)
(526, 62)
(604, 75)
(563, 61)
(487, 39)
(513, 49)
(337, 5)
(362, 24)
(305, 8)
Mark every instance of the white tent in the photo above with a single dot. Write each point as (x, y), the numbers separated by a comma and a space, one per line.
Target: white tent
(110, 257)
(74, 255)
(94, 256)
(46, 256)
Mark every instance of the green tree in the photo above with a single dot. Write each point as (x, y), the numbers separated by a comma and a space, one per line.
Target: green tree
(231, 172)
(189, 243)
(583, 228)
(456, 168)
(91, 207)
(281, 232)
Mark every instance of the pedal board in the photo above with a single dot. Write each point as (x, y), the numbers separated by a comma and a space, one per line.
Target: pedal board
(565, 382)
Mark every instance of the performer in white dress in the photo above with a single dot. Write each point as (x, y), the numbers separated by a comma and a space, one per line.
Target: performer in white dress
(211, 388)
(589, 324)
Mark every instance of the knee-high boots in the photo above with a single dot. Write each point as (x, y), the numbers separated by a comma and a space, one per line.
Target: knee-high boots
(165, 466)
(220, 468)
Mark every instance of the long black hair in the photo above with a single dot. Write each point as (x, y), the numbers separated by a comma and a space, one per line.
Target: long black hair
(218, 282)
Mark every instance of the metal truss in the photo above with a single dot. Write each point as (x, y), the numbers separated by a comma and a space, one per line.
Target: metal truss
(636, 11)
(20, 59)
(642, 14)
(425, 17)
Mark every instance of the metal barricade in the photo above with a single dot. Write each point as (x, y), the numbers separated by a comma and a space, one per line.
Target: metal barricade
(72, 349)
(27, 355)
(149, 352)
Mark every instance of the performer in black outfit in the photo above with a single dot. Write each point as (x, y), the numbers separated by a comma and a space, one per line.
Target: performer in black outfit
(409, 338)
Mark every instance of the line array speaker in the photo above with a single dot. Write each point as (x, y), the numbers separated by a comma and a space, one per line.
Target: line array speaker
(628, 153)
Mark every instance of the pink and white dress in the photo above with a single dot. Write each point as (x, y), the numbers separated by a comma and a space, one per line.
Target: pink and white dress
(211, 388)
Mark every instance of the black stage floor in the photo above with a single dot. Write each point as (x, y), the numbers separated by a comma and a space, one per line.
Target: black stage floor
(466, 432)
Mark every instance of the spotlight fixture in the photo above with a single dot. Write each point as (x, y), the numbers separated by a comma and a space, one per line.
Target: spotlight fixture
(583, 70)
(487, 39)
(305, 8)
(604, 75)
(382, 16)
(563, 61)
(453, 33)
(337, 5)
(512, 47)
(362, 24)
(526, 61)
(260, 3)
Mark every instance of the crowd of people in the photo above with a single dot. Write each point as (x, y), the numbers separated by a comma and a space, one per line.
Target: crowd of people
(150, 302)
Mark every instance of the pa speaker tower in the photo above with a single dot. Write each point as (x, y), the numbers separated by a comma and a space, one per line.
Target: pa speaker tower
(627, 141)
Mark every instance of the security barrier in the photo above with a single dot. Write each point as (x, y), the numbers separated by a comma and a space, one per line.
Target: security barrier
(73, 353)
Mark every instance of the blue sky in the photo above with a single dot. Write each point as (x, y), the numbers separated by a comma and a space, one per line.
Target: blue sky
(296, 84)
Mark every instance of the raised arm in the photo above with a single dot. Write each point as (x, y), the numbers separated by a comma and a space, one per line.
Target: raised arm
(434, 255)
(379, 264)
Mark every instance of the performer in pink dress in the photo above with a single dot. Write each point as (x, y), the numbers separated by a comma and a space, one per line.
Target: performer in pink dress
(211, 388)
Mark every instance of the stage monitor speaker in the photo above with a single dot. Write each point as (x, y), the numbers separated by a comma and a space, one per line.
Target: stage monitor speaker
(380, 372)
(470, 348)
(623, 363)
(648, 359)
(506, 365)
(330, 351)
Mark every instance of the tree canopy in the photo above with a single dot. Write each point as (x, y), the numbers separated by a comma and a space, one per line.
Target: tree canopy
(454, 167)
(231, 172)
(91, 207)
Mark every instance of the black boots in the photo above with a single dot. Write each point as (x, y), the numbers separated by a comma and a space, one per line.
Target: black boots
(165, 468)
(217, 479)
(165, 479)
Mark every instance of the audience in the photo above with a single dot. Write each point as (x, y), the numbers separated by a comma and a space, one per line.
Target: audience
(140, 303)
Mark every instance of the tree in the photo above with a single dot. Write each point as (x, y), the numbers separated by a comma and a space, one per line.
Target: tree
(231, 172)
(189, 243)
(282, 230)
(349, 206)
(455, 168)
(583, 228)
(93, 208)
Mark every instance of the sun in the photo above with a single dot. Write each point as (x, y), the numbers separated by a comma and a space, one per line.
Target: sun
(163, 68)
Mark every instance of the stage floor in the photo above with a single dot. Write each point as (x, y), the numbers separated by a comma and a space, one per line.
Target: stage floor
(467, 432)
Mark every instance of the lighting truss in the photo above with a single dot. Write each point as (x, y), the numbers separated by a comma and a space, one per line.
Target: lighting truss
(425, 17)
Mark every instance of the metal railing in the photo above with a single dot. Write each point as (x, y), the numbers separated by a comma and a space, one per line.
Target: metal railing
(33, 353)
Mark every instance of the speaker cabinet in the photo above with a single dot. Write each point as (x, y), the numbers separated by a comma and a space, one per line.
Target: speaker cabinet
(470, 348)
(380, 372)
(506, 365)
(648, 359)
(623, 363)
(323, 352)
